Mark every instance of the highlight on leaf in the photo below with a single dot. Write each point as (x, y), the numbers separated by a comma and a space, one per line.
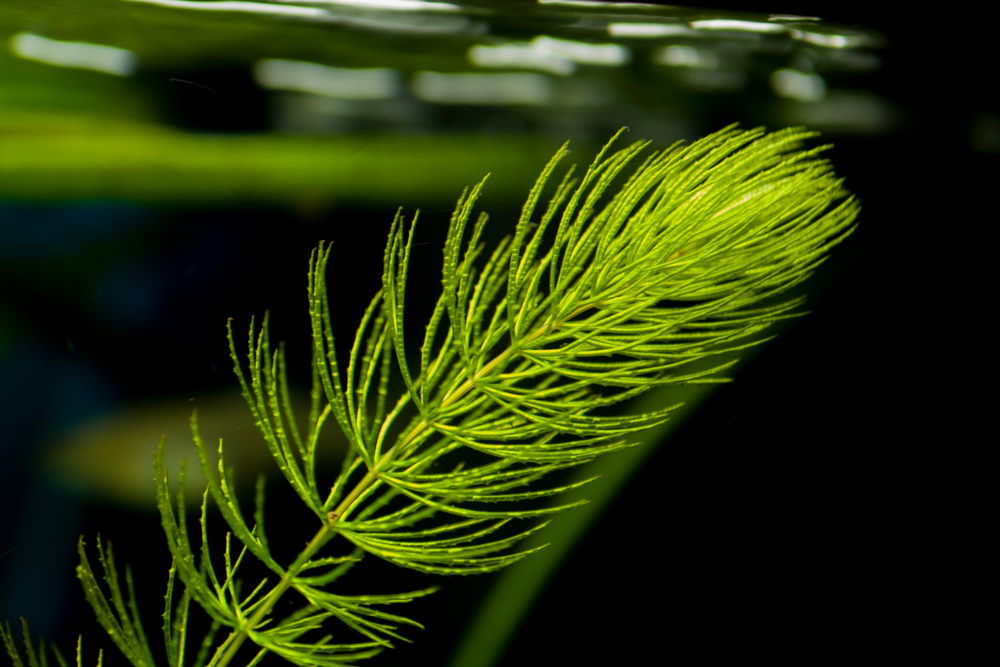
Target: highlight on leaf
(627, 276)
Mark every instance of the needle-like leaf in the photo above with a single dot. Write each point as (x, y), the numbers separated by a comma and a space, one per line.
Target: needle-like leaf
(646, 269)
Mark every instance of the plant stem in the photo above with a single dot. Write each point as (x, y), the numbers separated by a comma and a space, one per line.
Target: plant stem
(319, 540)
(240, 635)
(328, 530)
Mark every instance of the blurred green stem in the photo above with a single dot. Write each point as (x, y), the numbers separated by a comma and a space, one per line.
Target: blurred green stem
(516, 588)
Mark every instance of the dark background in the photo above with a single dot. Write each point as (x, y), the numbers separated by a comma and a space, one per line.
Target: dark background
(829, 504)
(819, 508)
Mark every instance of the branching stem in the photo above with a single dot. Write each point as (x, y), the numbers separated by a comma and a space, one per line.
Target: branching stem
(236, 639)
(644, 284)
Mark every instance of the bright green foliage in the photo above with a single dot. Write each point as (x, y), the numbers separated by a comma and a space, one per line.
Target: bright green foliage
(622, 279)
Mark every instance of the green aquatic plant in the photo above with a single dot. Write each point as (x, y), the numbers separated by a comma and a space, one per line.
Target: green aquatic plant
(630, 276)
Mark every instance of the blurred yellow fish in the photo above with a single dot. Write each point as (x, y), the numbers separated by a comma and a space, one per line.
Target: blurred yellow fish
(112, 457)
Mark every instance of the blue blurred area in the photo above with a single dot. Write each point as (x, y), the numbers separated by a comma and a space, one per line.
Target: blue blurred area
(90, 317)
(106, 307)
(43, 390)
(47, 385)
(43, 234)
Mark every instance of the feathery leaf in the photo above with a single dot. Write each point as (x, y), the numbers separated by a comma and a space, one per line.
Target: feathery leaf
(649, 268)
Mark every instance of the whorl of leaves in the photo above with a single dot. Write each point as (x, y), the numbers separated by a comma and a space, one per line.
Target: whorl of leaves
(623, 278)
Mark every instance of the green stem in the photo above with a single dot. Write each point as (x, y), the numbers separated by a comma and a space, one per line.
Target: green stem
(236, 639)
(319, 540)
(328, 530)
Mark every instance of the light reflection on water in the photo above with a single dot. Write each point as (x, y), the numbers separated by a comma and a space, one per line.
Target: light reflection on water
(341, 82)
(79, 55)
(561, 70)
(237, 6)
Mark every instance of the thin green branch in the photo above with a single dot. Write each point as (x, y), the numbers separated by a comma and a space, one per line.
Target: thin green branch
(649, 269)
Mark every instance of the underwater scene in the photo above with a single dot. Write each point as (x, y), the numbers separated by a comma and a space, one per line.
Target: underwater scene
(168, 169)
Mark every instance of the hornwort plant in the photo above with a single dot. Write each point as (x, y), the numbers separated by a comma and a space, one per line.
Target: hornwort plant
(625, 278)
